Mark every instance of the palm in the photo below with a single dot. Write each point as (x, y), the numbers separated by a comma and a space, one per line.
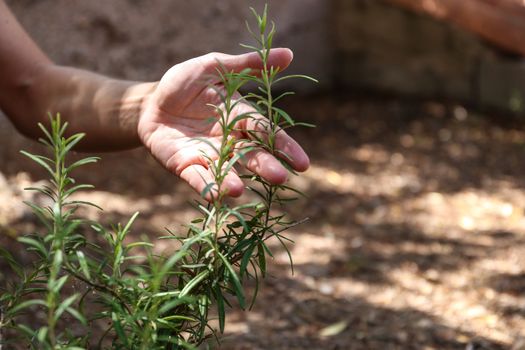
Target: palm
(177, 129)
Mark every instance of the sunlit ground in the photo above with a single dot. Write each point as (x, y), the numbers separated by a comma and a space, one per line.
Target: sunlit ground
(415, 238)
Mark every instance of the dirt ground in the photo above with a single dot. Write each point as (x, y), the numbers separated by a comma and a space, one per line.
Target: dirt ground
(416, 237)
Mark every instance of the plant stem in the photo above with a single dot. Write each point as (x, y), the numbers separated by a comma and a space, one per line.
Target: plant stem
(56, 245)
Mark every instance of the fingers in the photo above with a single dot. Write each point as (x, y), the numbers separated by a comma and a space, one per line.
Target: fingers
(184, 81)
(191, 152)
(191, 162)
(286, 147)
(279, 57)
(289, 150)
(267, 166)
(233, 184)
(199, 177)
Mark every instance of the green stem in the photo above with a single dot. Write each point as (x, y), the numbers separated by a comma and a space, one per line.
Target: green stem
(267, 78)
(57, 243)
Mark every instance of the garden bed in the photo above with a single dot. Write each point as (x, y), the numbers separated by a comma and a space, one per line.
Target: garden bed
(416, 236)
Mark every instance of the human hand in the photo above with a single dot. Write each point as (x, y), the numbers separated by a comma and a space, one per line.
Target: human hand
(175, 123)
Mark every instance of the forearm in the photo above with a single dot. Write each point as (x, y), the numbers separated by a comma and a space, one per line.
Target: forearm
(32, 88)
(107, 110)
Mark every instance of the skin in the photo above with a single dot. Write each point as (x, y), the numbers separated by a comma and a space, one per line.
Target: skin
(164, 116)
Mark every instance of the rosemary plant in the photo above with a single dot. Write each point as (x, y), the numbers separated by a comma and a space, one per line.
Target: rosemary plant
(149, 301)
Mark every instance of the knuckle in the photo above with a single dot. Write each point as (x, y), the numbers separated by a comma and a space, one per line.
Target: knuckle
(211, 60)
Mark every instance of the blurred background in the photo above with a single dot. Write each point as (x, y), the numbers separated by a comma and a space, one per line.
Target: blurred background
(416, 231)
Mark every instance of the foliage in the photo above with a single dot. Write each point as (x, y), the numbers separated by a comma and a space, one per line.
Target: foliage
(150, 301)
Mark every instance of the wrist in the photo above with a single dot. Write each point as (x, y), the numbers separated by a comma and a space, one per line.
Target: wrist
(143, 122)
(132, 105)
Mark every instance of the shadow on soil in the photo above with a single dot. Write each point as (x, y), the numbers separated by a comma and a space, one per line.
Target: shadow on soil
(443, 157)
(363, 325)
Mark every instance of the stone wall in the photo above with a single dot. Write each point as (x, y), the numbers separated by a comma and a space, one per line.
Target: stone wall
(359, 45)
(141, 39)
(380, 47)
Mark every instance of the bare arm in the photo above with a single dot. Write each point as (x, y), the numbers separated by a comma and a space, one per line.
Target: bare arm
(167, 117)
(32, 87)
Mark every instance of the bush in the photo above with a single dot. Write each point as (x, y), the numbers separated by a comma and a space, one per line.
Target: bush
(149, 301)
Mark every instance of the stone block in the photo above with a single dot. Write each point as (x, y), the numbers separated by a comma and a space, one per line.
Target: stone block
(502, 85)
(382, 47)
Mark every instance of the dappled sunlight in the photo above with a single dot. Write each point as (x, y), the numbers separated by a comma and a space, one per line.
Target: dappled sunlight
(415, 231)
(397, 223)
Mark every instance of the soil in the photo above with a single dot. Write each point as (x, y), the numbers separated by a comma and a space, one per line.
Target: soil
(415, 238)
(416, 231)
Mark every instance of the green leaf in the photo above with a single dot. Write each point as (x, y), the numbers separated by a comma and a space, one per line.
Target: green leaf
(172, 293)
(174, 303)
(269, 37)
(180, 317)
(89, 204)
(285, 115)
(207, 189)
(290, 258)
(239, 292)
(60, 130)
(58, 284)
(249, 47)
(294, 190)
(24, 305)
(42, 334)
(284, 94)
(15, 266)
(77, 188)
(43, 191)
(40, 160)
(220, 307)
(82, 162)
(120, 330)
(181, 253)
(139, 244)
(239, 155)
(246, 259)
(262, 20)
(83, 264)
(306, 125)
(25, 330)
(71, 142)
(295, 76)
(117, 259)
(76, 314)
(240, 218)
(193, 283)
(44, 130)
(233, 122)
(126, 229)
(34, 243)
(262, 258)
(64, 305)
